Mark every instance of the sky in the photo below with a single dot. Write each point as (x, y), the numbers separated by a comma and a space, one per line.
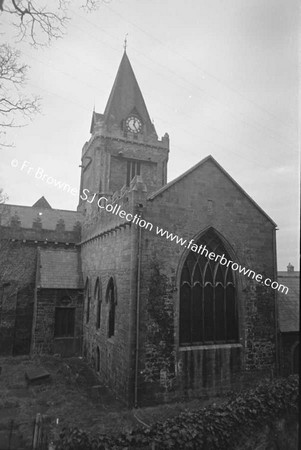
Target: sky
(221, 77)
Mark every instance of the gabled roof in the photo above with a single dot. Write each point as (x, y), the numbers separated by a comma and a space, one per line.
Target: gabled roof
(41, 203)
(126, 98)
(59, 269)
(196, 166)
(288, 304)
(49, 217)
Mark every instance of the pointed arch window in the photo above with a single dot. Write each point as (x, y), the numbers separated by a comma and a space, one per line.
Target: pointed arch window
(111, 300)
(98, 299)
(87, 299)
(97, 359)
(208, 303)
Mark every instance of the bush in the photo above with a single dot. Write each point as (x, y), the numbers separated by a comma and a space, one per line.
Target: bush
(214, 427)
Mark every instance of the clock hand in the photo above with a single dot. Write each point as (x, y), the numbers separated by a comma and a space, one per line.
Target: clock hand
(136, 126)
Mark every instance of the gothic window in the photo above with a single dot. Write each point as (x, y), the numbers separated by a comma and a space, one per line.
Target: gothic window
(97, 296)
(208, 305)
(64, 322)
(133, 168)
(111, 300)
(97, 359)
(87, 300)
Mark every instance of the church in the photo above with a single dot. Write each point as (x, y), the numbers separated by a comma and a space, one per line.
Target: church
(157, 320)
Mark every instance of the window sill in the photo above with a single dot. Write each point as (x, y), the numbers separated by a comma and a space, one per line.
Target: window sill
(209, 347)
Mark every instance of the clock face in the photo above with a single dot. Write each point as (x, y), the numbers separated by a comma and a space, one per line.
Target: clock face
(133, 124)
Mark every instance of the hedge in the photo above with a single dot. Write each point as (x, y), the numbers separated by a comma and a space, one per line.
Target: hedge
(214, 427)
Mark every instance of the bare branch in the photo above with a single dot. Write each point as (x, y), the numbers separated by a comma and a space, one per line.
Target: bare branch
(14, 106)
(91, 5)
(35, 21)
(38, 22)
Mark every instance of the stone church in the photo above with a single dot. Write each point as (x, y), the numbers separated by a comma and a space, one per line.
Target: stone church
(156, 320)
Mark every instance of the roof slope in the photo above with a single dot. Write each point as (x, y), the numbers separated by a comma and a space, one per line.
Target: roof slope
(59, 269)
(195, 167)
(42, 203)
(288, 304)
(48, 217)
(126, 98)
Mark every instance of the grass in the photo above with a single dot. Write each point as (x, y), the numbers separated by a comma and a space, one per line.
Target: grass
(69, 400)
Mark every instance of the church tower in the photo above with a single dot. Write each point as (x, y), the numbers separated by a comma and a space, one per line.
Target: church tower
(123, 142)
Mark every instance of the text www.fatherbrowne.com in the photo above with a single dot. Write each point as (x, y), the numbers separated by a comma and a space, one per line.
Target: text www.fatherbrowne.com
(138, 220)
(202, 249)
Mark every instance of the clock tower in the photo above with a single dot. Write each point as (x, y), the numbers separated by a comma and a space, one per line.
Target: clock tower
(123, 142)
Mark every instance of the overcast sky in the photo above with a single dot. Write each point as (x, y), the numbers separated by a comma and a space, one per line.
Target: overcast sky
(221, 77)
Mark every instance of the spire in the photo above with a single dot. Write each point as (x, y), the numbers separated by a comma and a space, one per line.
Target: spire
(126, 98)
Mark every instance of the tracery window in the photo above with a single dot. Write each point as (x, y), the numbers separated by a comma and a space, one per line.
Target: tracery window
(208, 304)
(111, 300)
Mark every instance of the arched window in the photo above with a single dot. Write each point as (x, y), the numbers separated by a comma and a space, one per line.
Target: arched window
(97, 359)
(208, 306)
(87, 300)
(111, 300)
(97, 296)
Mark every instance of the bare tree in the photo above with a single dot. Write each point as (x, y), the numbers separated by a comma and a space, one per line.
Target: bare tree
(41, 21)
(38, 22)
(3, 197)
(14, 105)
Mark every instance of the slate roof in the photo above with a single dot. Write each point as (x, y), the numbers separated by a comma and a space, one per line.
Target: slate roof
(49, 217)
(60, 269)
(126, 98)
(96, 117)
(42, 203)
(288, 304)
(196, 166)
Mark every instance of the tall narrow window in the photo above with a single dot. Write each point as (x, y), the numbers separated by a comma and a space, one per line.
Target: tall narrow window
(111, 300)
(87, 300)
(97, 296)
(133, 168)
(208, 305)
(97, 359)
(64, 322)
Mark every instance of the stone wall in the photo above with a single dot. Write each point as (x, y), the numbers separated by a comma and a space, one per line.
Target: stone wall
(18, 262)
(109, 250)
(207, 198)
(17, 279)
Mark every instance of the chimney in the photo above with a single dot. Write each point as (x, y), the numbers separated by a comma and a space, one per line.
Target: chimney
(290, 268)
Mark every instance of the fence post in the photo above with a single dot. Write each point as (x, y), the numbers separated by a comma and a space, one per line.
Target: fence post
(36, 432)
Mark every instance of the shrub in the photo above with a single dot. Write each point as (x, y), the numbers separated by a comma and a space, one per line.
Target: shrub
(214, 427)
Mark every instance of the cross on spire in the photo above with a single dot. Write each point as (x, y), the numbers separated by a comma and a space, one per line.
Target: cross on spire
(125, 42)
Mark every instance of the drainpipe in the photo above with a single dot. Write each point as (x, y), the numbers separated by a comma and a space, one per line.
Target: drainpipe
(276, 303)
(137, 317)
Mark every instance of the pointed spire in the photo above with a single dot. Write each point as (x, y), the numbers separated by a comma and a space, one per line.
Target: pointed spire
(126, 98)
